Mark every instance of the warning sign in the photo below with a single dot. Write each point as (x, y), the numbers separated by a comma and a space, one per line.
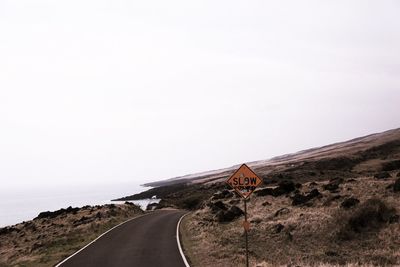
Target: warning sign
(244, 181)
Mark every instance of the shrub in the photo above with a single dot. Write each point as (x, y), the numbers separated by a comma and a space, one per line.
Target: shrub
(382, 175)
(396, 185)
(191, 202)
(391, 165)
(367, 217)
(349, 202)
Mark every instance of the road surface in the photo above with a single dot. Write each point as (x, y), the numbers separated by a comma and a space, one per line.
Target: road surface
(147, 241)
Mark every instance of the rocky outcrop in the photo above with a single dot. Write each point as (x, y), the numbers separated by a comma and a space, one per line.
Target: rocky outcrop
(229, 215)
(53, 214)
(333, 185)
(284, 187)
(223, 194)
(300, 199)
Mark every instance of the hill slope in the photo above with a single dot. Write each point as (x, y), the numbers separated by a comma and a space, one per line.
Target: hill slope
(362, 151)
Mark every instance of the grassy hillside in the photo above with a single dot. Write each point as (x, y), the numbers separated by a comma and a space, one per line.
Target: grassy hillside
(53, 236)
(355, 223)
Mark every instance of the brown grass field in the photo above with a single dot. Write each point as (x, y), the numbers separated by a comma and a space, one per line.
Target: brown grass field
(320, 233)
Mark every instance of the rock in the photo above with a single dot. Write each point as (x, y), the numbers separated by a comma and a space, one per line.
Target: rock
(396, 186)
(236, 211)
(220, 205)
(234, 201)
(278, 228)
(266, 203)
(282, 211)
(331, 199)
(331, 187)
(264, 192)
(333, 184)
(382, 175)
(284, 187)
(84, 220)
(223, 194)
(299, 199)
(312, 184)
(256, 220)
(152, 206)
(217, 195)
(6, 230)
(287, 186)
(227, 193)
(398, 174)
(229, 215)
(336, 180)
(394, 218)
(349, 202)
(217, 206)
(49, 214)
(313, 194)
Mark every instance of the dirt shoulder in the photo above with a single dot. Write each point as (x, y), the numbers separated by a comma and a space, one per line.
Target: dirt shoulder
(53, 236)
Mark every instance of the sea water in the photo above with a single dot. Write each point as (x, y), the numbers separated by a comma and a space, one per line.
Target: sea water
(23, 204)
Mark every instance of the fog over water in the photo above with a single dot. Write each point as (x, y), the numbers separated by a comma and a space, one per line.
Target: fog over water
(24, 204)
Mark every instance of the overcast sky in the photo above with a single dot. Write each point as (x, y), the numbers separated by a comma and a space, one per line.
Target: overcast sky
(116, 91)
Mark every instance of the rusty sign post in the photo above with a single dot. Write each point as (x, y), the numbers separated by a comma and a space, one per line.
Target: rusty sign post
(244, 181)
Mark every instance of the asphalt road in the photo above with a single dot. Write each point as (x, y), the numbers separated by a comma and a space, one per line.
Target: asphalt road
(146, 242)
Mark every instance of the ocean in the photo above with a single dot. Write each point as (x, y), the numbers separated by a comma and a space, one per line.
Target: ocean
(23, 204)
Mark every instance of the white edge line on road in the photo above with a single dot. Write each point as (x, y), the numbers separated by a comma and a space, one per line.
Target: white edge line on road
(179, 242)
(59, 264)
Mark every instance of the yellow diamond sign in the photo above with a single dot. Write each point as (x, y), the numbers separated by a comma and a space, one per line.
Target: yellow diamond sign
(244, 181)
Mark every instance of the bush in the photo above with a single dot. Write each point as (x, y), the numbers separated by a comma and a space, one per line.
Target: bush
(349, 202)
(192, 202)
(382, 175)
(391, 165)
(367, 217)
(396, 186)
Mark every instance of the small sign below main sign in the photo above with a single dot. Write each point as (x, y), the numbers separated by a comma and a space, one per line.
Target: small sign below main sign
(246, 225)
(244, 181)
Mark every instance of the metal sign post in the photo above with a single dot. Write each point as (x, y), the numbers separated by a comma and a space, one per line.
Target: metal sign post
(245, 232)
(244, 181)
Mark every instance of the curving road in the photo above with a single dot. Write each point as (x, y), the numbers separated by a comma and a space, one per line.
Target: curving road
(146, 241)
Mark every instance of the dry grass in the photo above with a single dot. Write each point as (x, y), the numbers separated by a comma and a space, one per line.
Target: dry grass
(44, 242)
(309, 236)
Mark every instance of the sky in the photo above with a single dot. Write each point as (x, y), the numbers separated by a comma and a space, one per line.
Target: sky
(97, 92)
